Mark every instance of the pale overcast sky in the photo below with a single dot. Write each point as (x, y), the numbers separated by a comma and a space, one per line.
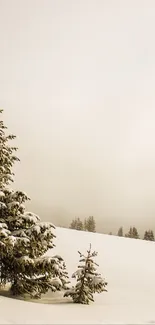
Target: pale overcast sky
(77, 82)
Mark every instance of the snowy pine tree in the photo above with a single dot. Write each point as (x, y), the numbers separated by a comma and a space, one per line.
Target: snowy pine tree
(24, 240)
(7, 157)
(88, 280)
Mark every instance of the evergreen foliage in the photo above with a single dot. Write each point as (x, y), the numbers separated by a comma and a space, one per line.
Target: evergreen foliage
(120, 232)
(133, 233)
(24, 239)
(76, 224)
(88, 280)
(149, 235)
(7, 156)
(90, 224)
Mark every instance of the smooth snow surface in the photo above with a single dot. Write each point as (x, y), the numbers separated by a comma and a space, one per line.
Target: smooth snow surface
(128, 266)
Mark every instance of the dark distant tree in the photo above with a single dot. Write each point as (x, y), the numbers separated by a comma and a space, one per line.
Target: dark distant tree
(110, 233)
(76, 224)
(146, 235)
(149, 235)
(79, 224)
(133, 233)
(120, 232)
(130, 233)
(85, 225)
(91, 226)
(73, 224)
(88, 224)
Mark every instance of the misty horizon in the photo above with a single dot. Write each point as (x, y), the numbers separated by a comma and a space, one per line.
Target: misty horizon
(77, 88)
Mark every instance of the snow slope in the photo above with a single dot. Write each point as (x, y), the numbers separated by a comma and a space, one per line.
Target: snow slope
(127, 264)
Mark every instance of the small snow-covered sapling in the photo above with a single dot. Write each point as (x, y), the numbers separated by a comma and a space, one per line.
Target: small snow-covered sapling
(88, 280)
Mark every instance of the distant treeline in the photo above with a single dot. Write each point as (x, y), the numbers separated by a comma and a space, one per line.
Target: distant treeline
(133, 233)
(89, 224)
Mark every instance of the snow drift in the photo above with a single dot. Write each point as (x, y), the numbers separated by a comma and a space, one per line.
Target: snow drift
(128, 265)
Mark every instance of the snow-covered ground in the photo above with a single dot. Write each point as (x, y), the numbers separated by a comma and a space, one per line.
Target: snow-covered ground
(127, 264)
